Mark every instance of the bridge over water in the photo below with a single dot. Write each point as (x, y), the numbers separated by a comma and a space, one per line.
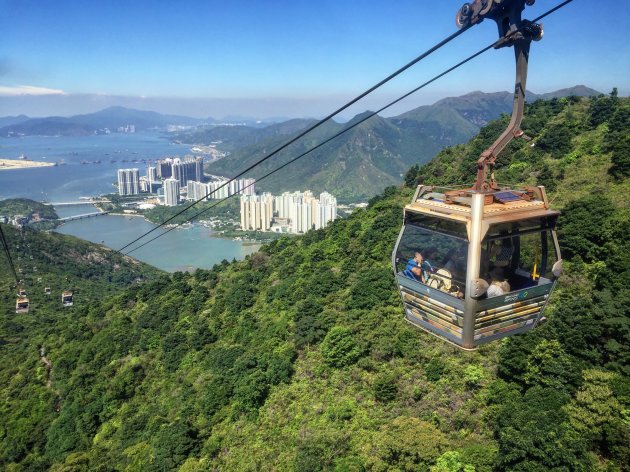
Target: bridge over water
(84, 215)
(81, 202)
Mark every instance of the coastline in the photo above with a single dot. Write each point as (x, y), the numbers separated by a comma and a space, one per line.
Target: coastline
(11, 164)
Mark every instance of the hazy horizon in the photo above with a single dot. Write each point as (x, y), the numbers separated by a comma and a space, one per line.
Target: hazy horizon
(298, 59)
(37, 106)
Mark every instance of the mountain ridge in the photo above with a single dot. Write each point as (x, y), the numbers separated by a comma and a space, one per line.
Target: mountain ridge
(363, 161)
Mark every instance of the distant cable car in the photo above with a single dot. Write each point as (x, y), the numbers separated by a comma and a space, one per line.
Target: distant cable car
(21, 305)
(477, 264)
(67, 298)
(47, 290)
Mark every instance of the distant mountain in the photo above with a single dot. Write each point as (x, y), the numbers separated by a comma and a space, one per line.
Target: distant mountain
(233, 137)
(12, 120)
(479, 108)
(357, 164)
(577, 91)
(360, 163)
(111, 118)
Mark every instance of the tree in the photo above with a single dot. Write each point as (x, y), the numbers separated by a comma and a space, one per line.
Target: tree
(406, 444)
(534, 434)
(339, 347)
(582, 227)
(385, 388)
(597, 415)
(451, 461)
(549, 366)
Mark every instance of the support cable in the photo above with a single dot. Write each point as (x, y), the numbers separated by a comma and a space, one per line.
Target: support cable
(5, 245)
(345, 130)
(311, 128)
(368, 116)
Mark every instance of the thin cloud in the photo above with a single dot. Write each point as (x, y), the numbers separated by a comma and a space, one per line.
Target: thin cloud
(18, 90)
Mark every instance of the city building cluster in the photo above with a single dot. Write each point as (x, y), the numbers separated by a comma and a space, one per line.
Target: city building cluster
(291, 212)
(173, 179)
(220, 189)
(182, 170)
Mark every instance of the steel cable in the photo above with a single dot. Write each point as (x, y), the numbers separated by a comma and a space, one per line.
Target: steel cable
(311, 128)
(368, 116)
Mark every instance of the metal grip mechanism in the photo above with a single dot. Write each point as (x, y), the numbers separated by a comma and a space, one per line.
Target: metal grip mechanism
(513, 31)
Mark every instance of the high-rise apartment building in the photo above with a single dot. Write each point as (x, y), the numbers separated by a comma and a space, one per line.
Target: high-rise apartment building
(187, 169)
(197, 190)
(171, 192)
(301, 210)
(152, 175)
(128, 182)
(164, 168)
(256, 212)
(220, 189)
(145, 186)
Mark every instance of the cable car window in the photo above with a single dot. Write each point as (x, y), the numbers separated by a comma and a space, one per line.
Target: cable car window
(523, 226)
(442, 264)
(520, 254)
(440, 225)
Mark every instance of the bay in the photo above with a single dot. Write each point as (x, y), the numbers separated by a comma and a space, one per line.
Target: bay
(72, 180)
(181, 249)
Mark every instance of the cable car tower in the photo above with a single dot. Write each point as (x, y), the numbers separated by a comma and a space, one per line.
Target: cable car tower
(477, 264)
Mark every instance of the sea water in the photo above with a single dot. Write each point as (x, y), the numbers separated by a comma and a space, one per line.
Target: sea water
(71, 179)
(181, 249)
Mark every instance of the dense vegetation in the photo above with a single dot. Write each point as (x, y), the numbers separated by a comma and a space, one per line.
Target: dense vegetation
(298, 358)
(32, 210)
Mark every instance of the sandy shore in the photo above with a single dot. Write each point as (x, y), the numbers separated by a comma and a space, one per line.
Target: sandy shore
(8, 164)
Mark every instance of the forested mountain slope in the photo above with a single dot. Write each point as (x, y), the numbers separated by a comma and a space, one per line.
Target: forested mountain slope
(298, 358)
(359, 164)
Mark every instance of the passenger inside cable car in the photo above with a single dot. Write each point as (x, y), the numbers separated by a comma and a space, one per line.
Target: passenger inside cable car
(439, 249)
(520, 253)
(514, 256)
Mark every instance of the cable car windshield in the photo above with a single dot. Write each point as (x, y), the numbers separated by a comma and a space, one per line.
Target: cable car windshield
(434, 254)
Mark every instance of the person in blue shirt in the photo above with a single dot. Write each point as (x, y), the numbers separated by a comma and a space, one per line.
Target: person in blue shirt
(413, 270)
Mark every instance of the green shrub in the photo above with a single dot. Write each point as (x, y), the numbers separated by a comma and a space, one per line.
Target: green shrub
(339, 347)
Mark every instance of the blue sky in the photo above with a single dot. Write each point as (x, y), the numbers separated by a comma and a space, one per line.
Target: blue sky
(281, 58)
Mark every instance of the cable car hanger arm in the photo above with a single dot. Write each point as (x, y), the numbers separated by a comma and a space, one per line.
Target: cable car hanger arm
(521, 43)
(513, 31)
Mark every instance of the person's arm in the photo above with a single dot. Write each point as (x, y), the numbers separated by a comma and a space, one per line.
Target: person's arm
(418, 272)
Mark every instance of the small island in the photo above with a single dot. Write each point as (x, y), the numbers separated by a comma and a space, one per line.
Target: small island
(9, 164)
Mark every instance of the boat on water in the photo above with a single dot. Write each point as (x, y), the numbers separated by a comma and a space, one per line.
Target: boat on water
(23, 157)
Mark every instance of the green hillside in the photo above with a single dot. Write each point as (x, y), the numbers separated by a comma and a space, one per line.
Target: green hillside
(362, 162)
(354, 167)
(298, 358)
(33, 211)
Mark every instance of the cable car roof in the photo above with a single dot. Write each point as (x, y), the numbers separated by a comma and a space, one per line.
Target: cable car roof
(502, 205)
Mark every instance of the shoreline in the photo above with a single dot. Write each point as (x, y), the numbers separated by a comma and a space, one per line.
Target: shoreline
(213, 233)
(15, 164)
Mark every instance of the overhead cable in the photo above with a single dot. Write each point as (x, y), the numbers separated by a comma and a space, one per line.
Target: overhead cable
(348, 128)
(311, 128)
(5, 245)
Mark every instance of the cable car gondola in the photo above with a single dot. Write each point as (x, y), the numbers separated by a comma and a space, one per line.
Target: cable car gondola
(477, 264)
(21, 305)
(67, 298)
